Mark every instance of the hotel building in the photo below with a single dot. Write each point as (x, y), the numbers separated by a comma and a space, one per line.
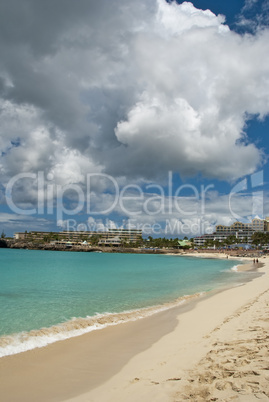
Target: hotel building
(242, 231)
(114, 237)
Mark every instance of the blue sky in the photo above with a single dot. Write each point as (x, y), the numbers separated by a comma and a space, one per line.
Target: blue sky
(151, 115)
(231, 9)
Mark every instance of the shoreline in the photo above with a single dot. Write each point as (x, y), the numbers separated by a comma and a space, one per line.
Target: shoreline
(194, 360)
(80, 326)
(25, 341)
(210, 253)
(89, 366)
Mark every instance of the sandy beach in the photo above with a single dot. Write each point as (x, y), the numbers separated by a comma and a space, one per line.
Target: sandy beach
(212, 348)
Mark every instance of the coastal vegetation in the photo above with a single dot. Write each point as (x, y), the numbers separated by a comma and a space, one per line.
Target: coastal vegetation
(163, 242)
(54, 240)
(260, 238)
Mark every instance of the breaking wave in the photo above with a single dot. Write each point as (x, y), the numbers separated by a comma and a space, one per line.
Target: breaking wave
(24, 341)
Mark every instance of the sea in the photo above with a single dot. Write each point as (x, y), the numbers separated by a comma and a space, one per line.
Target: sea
(49, 296)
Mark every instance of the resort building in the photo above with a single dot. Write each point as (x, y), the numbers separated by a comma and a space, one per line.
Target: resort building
(242, 231)
(115, 237)
(31, 235)
(256, 225)
(118, 237)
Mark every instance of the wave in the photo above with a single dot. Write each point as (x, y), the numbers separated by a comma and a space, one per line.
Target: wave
(233, 269)
(248, 272)
(24, 341)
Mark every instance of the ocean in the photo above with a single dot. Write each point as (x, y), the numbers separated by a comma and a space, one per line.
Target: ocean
(47, 296)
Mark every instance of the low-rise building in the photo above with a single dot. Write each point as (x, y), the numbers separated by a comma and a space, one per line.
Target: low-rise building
(114, 237)
(119, 237)
(184, 243)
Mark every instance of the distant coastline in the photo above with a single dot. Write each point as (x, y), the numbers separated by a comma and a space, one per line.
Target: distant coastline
(80, 248)
(209, 253)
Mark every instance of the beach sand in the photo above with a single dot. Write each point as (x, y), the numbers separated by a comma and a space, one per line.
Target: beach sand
(212, 348)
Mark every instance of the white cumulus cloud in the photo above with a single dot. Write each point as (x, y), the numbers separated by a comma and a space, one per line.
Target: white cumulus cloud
(130, 89)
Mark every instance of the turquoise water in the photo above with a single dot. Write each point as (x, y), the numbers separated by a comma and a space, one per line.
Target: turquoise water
(45, 288)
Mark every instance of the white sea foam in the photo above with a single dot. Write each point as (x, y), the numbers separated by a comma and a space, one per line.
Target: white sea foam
(234, 269)
(24, 341)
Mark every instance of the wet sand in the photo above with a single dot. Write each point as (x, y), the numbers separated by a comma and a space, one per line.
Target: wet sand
(68, 368)
(171, 356)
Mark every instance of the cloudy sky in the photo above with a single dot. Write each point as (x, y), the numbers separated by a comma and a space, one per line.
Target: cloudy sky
(147, 113)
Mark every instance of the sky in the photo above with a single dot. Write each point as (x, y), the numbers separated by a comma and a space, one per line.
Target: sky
(149, 115)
